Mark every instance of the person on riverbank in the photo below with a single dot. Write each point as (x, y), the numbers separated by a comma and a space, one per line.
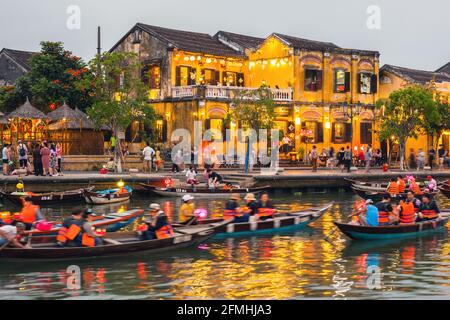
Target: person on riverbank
(348, 158)
(158, 227)
(442, 153)
(214, 179)
(340, 159)
(45, 158)
(186, 212)
(6, 157)
(420, 159)
(158, 159)
(9, 233)
(265, 208)
(368, 158)
(37, 160)
(431, 157)
(53, 160)
(148, 153)
(191, 177)
(22, 151)
(313, 155)
(59, 158)
(428, 209)
(386, 215)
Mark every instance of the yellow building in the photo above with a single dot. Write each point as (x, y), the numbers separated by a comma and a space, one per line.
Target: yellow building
(394, 78)
(325, 94)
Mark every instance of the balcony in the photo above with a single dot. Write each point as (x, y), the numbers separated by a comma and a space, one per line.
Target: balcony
(226, 92)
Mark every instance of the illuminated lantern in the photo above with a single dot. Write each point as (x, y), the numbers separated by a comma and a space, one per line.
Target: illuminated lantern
(20, 186)
(121, 184)
(168, 182)
(201, 213)
(44, 226)
(52, 106)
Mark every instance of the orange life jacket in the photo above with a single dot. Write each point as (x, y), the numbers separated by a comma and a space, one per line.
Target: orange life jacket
(429, 214)
(87, 240)
(407, 214)
(29, 213)
(392, 188)
(265, 212)
(416, 189)
(62, 235)
(229, 214)
(164, 232)
(73, 232)
(383, 217)
(401, 185)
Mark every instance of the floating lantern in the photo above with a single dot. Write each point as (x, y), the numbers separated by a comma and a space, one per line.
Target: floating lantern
(201, 213)
(121, 184)
(20, 186)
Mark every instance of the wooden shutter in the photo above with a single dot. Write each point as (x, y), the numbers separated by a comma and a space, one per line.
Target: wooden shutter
(348, 132)
(319, 79)
(333, 134)
(319, 135)
(216, 77)
(191, 81)
(358, 82)
(178, 76)
(347, 81)
(366, 132)
(374, 84)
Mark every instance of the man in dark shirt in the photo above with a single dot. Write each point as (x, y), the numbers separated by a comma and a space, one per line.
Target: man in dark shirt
(265, 207)
(214, 179)
(428, 209)
(385, 211)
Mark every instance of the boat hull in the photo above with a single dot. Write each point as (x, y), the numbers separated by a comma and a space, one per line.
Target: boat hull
(97, 198)
(201, 192)
(357, 232)
(445, 191)
(71, 196)
(289, 222)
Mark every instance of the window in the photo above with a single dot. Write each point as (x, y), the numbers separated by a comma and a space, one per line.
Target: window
(211, 77)
(313, 80)
(185, 76)
(341, 132)
(233, 79)
(341, 81)
(154, 75)
(367, 83)
(312, 132)
(137, 34)
(365, 130)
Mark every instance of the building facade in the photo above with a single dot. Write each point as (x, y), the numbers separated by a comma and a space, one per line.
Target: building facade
(394, 78)
(324, 94)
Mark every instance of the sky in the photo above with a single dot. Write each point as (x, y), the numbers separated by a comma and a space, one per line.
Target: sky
(412, 33)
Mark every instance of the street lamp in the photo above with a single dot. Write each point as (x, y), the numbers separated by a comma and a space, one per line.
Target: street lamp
(351, 111)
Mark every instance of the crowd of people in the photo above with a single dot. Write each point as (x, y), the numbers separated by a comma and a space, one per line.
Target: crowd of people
(38, 158)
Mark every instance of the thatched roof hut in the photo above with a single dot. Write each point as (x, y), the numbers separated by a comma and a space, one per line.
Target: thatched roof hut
(63, 113)
(27, 111)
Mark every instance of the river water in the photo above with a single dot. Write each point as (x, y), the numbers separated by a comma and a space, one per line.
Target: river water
(298, 265)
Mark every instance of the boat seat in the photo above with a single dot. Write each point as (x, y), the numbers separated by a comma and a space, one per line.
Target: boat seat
(111, 241)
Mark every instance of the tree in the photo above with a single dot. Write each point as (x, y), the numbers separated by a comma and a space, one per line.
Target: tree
(254, 109)
(120, 96)
(54, 79)
(403, 115)
(436, 123)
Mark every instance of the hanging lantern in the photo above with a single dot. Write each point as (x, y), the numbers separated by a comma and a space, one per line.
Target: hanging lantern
(52, 106)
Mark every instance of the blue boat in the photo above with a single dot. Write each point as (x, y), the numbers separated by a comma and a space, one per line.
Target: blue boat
(358, 232)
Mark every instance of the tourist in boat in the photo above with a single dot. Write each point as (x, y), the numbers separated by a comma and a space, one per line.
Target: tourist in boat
(158, 227)
(250, 208)
(407, 212)
(186, 213)
(428, 210)
(214, 179)
(432, 184)
(191, 177)
(70, 232)
(401, 184)
(29, 214)
(414, 187)
(369, 215)
(89, 238)
(392, 188)
(265, 208)
(9, 233)
(411, 198)
(232, 207)
(386, 215)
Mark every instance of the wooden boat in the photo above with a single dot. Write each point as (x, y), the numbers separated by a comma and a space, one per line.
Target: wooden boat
(372, 184)
(201, 192)
(358, 232)
(445, 190)
(56, 197)
(111, 222)
(107, 196)
(378, 195)
(45, 248)
(281, 222)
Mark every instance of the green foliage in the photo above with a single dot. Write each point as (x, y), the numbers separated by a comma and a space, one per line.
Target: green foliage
(120, 97)
(255, 109)
(436, 123)
(54, 78)
(405, 112)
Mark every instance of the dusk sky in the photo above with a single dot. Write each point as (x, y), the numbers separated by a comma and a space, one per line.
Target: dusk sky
(412, 33)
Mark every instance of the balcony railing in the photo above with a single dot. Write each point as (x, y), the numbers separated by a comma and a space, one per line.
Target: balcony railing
(226, 92)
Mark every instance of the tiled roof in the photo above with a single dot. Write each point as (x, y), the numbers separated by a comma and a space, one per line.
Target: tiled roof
(300, 43)
(190, 41)
(416, 76)
(21, 57)
(248, 42)
(444, 68)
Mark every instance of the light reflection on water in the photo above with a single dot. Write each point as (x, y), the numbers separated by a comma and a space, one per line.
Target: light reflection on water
(279, 266)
